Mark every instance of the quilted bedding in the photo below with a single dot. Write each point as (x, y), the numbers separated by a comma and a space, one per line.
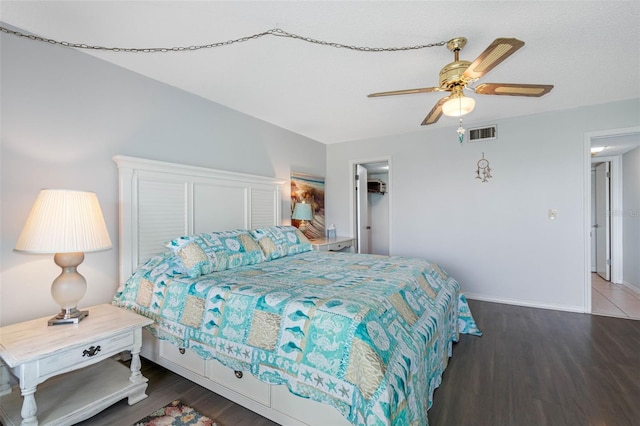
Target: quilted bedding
(368, 335)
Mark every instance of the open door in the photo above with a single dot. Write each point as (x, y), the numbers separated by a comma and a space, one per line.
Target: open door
(362, 210)
(603, 221)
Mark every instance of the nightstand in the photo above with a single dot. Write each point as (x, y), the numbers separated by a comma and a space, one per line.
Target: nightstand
(333, 244)
(71, 366)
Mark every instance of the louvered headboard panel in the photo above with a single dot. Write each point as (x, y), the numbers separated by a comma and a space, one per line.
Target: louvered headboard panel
(160, 201)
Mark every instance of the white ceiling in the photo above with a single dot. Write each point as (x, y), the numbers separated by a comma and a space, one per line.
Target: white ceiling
(590, 51)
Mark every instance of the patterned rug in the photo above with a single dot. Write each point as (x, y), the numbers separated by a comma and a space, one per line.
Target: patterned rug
(175, 414)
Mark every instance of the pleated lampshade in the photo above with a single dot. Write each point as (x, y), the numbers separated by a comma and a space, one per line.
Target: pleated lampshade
(64, 221)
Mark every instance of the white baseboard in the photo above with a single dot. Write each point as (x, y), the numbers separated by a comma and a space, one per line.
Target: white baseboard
(631, 287)
(553, 306)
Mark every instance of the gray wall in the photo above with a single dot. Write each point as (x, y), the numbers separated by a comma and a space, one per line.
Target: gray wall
(64, 116)
(631, 218)
(494, 237)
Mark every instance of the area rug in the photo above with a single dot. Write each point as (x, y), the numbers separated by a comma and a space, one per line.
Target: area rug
(175, 414)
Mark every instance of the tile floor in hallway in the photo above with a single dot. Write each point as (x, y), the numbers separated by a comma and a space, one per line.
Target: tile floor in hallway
(614, 300)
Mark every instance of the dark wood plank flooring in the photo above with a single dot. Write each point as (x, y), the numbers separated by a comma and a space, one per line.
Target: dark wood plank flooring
(531, 367)
(542, 367)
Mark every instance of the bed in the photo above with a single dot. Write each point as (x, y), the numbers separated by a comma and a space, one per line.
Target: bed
(243, 306)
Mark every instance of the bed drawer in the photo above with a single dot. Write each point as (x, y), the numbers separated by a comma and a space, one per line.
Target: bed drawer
(244, 383)
(185, 358)
(305, 410)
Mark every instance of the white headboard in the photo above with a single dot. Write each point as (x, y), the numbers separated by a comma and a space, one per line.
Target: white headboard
(160, 201)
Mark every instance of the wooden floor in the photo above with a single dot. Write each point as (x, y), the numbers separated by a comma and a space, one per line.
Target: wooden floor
(542, 367)
(531, 367)
(164, 387)
(616, 300)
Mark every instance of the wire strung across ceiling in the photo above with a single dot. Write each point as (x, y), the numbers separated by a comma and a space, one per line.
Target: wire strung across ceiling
(277, 32)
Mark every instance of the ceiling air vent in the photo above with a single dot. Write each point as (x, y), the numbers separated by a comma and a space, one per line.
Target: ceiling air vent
(483, 133)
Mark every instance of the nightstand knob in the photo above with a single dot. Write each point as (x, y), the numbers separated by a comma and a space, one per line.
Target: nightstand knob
(238, 374)
(91, 351)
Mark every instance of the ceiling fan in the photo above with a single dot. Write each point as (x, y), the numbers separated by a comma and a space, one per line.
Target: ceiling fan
(456, 76)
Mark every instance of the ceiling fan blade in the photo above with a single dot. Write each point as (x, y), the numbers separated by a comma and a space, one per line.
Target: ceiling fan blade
(535, 90)
(405, 92)
(498, 51)
(435, 113)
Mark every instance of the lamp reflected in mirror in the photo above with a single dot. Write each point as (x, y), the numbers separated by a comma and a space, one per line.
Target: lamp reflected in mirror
(302, 212)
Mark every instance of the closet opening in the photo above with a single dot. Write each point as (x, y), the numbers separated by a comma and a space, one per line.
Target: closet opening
(371, 208)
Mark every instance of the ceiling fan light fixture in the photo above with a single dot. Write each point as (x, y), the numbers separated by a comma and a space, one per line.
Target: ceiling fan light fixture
(457, 75)
(458, 105)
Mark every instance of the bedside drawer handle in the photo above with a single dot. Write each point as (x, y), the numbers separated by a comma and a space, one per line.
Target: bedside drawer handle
(182, 351)
(238, 374)
(93, 350)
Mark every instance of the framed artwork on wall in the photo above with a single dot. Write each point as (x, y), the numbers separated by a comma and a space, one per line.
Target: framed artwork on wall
(309, 189)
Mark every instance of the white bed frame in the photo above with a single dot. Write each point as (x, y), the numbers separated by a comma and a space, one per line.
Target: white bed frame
(160, 201)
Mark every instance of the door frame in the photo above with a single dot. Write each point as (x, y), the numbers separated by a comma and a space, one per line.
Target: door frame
(352, 195)
(616, 208)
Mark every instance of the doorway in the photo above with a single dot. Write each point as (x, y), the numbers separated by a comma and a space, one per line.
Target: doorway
(604, 238)
(601, 229)
(371, 206)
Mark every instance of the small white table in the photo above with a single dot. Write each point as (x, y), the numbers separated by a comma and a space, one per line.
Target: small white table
(71, 366)
(333, 244)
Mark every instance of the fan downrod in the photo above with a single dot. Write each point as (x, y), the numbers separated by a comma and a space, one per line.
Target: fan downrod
(451, 74)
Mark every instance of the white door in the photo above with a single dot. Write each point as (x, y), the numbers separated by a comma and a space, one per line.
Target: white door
(603, 222)
(594, 221)
(362, 210)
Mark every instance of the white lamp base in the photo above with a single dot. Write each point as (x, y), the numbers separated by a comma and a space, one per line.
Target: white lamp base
(68, 288)
(70, 316)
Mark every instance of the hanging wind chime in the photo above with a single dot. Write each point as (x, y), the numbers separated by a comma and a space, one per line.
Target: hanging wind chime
(461, 129)
(483, 172)
(460, 132)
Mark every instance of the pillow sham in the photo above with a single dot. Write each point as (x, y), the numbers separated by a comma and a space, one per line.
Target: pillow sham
(146, 285)
(280, 241)
(205, 253)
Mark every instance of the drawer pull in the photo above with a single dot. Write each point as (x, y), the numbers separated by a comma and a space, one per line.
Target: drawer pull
(91, 351)
(182, 351)
(238, 374)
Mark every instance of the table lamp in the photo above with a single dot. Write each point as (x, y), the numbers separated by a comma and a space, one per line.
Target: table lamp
(302, 212)
(67, 223)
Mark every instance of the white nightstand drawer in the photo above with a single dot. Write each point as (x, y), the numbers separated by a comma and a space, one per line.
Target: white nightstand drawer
(87, 354)
(333, 244)
(338, 246)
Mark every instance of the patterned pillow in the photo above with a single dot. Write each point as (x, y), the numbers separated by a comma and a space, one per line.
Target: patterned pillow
(148, 283)
(280, 241)
(204, 253)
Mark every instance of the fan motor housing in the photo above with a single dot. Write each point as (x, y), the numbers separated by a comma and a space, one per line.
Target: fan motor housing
(451, 74)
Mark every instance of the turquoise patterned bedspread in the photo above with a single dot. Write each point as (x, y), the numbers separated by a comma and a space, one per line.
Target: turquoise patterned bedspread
(369, 335)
